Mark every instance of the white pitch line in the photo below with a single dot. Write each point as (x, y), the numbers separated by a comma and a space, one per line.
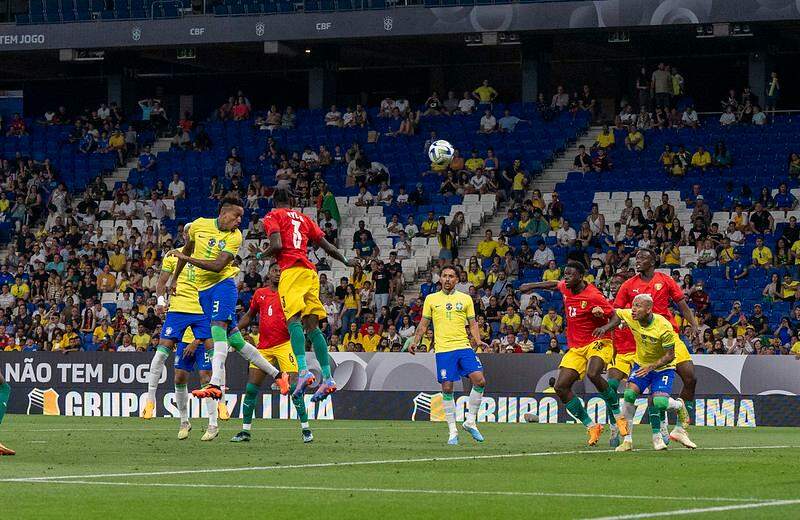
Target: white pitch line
(354, 463)
(145, 429)
(701, 510)
(397, 491)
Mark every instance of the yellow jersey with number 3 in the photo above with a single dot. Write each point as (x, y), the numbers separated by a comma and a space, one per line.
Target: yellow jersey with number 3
(209, 243)
(186, 298)
(449, 314)
(652, 340)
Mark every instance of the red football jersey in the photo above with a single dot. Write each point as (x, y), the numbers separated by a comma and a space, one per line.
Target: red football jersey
(580, 320)
(662, 288)
(296, 229)
(623, 341)
(272, 330)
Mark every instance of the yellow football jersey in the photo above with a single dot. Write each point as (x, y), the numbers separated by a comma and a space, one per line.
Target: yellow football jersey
(653, 340)
(186, 298)
(188, 336)
(209, 243)
(449, 314)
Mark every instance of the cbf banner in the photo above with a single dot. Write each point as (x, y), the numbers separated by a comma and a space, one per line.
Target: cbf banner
(740, 391)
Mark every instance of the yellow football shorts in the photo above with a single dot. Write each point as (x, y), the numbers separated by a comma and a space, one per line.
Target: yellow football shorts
(578, 358)
(681, 352)
(623, 362)
(299, 291)
(281, 357)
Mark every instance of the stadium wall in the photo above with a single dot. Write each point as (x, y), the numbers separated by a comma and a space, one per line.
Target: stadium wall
(735, 391)
(406, 21)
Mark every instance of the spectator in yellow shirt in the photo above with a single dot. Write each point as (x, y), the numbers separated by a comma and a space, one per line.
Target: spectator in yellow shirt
(485, 94)
(476, 276)
(70, 340)
(762, 255)
(605, 140)
(552, 323)
(635, 140)
(20, 289)
(353, 336)
(487, 246)
(511, 320)
(474, 163)
(4, 202)
(552, 273)
(370, 340)
(141, 339)
(103, 334)
(117, 260)
(430, 227)
(502, 248)
(701, 158)
(671, 256)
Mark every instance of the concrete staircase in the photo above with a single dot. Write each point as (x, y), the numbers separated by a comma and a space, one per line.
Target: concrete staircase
(546, 183)
(121, 173)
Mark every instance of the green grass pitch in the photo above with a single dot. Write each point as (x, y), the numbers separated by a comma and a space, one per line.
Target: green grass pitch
(369, 469)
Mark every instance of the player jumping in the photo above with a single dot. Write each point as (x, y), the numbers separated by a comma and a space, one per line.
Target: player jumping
(191, 355)
(451, 311)
(5, 393)
(274, 345)
(662, 288)
(654, 367)
(211, 246)
(587, 356)
(289, 232)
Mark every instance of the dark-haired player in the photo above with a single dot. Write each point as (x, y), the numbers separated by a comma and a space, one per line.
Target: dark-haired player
(212, 244)
(289, 233)
(451, 312)
(663, 289)
(587, 356)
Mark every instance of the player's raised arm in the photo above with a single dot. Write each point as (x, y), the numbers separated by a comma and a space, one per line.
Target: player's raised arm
(273, 247)
(161, 289)
(545, 286)
(689, 316)
(215, 265)
(334, 253)
(420, 332)
(612, 324)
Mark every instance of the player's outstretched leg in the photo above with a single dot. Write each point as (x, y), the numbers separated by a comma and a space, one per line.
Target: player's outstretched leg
(686, 371)
(679, 433)
(5, 394)
(566, 378)
(320, 347)
(594, 370)
(474, 404)
(213, 426)
(214, 388)
(297, 339)
(156, 367)
(252, 355)
(222, 407)
(615, 414)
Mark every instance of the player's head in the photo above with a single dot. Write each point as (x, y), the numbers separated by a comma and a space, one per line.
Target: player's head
(231, 210)
(616, 283)
(573, 274)
(642, 307)
(274, 274)
(646, 260)
(449, 278)
(281, 198)
(185, 232)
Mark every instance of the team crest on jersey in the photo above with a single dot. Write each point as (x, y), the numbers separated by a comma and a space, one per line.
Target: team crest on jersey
(449, 306)
(459, 306)
(211, 242)
(584, 304)
(658, 286)
(168, 331)
(222, 244)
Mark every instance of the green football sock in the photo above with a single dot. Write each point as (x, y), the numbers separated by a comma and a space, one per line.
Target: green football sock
(611, 398)
(321, 351)
(300, 405)
(577, 409)
(5, 392)
(613, 384)
(236, 340)
(655, 419)
(249, 405)
(298, 341)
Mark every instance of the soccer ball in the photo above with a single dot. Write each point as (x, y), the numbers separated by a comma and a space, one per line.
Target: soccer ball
(440, 152)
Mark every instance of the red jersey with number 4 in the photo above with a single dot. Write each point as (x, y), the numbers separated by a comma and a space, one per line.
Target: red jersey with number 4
(662, 288)
(272, 330)
(580, 320)
(296, 229)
